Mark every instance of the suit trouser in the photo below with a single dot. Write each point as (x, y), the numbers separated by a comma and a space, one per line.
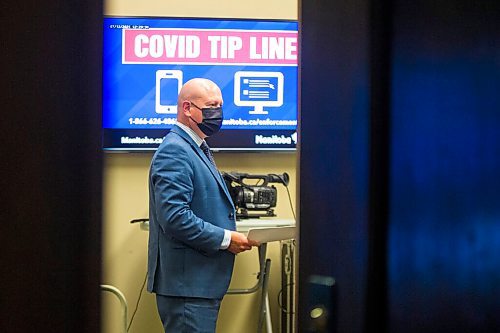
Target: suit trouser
(188, 314)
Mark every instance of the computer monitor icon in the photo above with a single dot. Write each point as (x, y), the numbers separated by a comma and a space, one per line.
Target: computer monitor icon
(258, 90)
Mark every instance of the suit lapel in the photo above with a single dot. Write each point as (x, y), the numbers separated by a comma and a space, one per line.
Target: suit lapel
(205, 160)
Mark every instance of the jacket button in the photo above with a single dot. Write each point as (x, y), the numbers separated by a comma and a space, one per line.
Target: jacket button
(231, 216)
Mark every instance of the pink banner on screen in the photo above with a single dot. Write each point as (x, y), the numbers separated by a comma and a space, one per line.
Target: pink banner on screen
(200, 46)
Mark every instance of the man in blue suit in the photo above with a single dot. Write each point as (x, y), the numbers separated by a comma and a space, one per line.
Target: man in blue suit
(192, 237)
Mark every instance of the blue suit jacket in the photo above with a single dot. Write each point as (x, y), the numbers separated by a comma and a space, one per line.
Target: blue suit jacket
(189, 208)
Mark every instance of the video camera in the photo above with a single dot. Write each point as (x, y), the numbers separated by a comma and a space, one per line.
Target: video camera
(258, 198)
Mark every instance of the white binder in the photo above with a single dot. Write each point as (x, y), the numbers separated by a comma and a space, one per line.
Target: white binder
(264, 235)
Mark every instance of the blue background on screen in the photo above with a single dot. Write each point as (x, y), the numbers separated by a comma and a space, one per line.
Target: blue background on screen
(129, 89)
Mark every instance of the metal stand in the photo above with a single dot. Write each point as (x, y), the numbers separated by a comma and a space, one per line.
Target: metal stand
(287, 300)
(262, 282)
(123, 303)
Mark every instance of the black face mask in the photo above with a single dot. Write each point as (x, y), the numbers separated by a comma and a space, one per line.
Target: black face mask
(212, 120)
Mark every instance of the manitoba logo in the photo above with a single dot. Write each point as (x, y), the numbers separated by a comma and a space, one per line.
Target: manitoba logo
(273, 140)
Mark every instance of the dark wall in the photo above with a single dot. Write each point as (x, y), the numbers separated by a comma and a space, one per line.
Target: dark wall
(51, 166)
(444, 236)
(334, 156)
(400, 164)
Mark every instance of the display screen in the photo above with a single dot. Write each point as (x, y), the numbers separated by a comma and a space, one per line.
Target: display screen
(147, 60)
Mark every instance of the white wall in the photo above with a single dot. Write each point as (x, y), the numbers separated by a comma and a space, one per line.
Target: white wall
(272, 9)
(125, 244)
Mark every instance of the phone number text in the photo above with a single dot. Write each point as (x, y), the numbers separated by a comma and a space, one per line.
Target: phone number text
(152, 121)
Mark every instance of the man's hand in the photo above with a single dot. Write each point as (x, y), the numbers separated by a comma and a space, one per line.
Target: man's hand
(240, 243)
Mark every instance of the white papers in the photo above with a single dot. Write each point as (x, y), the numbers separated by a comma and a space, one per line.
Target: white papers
(268, 222)
(264, 235)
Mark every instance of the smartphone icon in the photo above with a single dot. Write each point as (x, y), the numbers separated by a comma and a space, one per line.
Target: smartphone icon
(168, 86)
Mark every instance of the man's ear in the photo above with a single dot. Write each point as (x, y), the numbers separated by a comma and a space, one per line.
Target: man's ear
(186, 108)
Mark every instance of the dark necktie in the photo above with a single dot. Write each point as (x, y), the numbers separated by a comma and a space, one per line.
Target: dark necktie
(207, 152)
